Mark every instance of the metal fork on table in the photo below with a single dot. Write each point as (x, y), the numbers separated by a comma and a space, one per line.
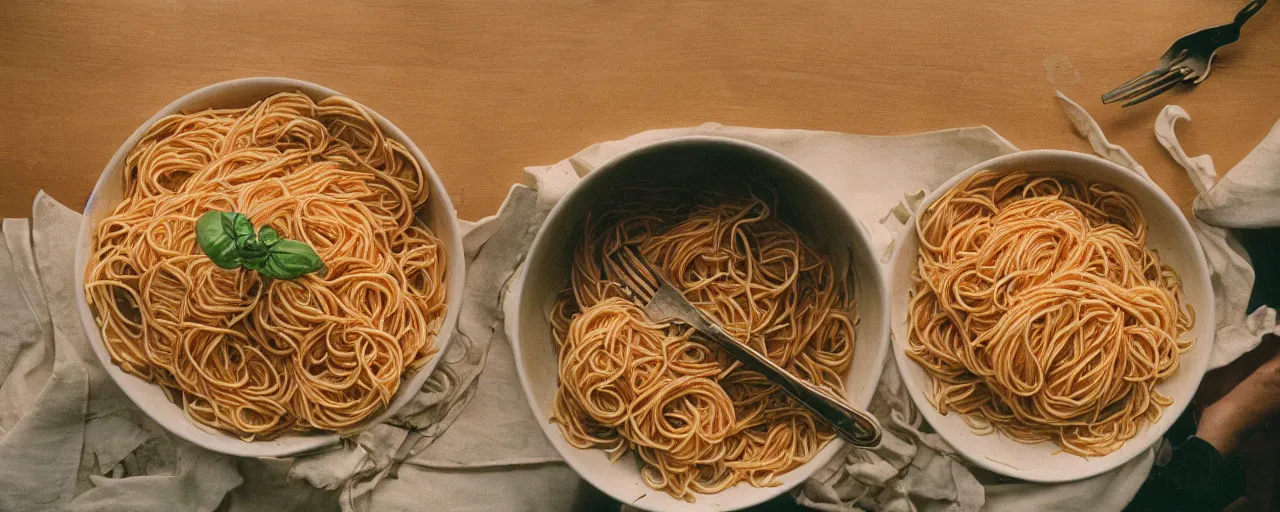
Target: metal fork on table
(663, 302)
(1188, 59)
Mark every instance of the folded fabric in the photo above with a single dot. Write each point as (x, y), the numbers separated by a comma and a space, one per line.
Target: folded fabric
(1247, 196)
(1233, 202)
(78, 443)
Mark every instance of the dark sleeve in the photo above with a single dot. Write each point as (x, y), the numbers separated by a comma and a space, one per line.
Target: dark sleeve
(1197, 478)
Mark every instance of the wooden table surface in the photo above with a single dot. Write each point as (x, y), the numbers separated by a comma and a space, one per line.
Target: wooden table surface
(486, 87)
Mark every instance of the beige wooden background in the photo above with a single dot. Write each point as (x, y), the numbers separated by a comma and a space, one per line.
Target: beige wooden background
(486, 87)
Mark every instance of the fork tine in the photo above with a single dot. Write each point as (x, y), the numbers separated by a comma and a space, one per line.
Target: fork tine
(641, 268)
(1168, 61)
(634, 272)
(1158, 90)
(1134, 82)
(617, 270)
(1174, 77)
(1140, 87)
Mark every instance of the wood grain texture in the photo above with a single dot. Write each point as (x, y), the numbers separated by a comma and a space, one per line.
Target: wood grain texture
(486, 87)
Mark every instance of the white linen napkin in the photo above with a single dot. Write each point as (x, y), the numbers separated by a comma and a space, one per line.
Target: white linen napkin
(1247, 197)
(70, 440)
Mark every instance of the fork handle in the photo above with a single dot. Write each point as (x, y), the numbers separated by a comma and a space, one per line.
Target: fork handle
(1248, 11)
(855, 426)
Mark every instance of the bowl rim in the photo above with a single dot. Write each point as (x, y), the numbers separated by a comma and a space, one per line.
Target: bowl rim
(1149, 434)
(295, 443)
(859, 236)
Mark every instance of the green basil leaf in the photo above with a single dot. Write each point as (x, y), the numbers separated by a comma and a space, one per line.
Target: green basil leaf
(268, 235)
(228, 239)
(253, 253)
(238, 226)
(216, 233)
(289, 259)
(252, 247)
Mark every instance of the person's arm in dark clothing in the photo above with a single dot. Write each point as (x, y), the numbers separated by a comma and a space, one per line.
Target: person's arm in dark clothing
(1203, 474)
(1197, 478)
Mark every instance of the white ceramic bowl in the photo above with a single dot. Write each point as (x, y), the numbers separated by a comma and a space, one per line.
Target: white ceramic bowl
(438, 214)
(1169, 234)
(805, 204)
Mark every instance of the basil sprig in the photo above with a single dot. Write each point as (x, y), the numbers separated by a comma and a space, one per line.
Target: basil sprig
(228, 239)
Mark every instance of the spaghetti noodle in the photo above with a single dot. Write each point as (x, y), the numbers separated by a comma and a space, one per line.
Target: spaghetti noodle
(698, 421)
(259, 358)
(1038, 311)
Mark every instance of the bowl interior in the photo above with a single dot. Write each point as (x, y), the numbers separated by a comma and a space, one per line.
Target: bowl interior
(700, 163)
(438, 214)
(1169, 235)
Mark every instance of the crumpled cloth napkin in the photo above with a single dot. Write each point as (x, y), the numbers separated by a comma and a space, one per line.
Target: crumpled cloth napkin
(1247, 197)
(70, 440)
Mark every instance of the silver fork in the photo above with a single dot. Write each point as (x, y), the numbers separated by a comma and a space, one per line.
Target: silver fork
(1188, 59)
(663, 303)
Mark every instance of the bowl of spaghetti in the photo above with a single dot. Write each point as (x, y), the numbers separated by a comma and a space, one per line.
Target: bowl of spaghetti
(268, 266)
(647, 410)
(1052, 314)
